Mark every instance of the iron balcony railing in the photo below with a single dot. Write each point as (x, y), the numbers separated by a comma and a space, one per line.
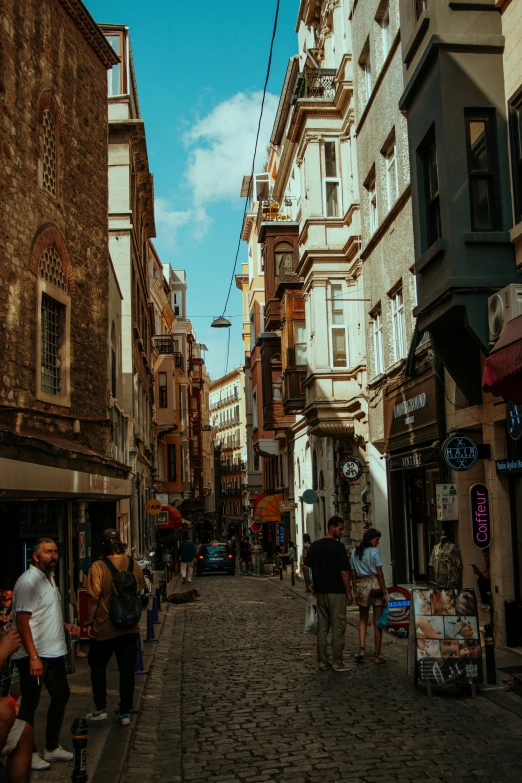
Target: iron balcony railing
(316, 83)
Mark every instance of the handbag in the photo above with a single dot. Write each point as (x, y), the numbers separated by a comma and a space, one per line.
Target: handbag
(382, 622)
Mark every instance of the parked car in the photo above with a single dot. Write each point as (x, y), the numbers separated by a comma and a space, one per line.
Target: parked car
(214, 558)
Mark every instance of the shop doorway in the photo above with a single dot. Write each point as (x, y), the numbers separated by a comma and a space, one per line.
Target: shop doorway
(422, 529)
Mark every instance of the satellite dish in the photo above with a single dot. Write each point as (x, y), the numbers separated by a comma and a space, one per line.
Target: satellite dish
(309, 496)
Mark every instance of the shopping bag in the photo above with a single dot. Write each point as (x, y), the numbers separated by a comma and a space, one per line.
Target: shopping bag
(382, 622)
(310, 625)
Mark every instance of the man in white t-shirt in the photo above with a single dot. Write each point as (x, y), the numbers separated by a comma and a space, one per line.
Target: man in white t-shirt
(41, 660)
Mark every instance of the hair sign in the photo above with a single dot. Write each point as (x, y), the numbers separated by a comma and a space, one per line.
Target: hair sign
(480, 516)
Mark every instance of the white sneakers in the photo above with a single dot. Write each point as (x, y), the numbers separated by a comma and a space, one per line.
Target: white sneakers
(97, 715)
(38, 764)
(124, 718)
(58, 754)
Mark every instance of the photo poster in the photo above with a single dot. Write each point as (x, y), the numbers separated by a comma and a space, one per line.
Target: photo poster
(447, 637)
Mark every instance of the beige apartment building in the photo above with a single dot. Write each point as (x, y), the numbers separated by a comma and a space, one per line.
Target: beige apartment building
(228, 421)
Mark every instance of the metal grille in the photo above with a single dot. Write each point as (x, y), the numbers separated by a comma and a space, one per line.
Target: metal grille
(51, 340)
(51, 269)
(49, 153)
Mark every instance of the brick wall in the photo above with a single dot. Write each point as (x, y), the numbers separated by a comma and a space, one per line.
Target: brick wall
(46, 63)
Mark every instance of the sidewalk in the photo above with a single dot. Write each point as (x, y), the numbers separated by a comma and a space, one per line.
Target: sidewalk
(505, 659)
(107, 742)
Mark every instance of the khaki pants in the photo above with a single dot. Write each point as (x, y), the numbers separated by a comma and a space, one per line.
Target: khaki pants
(186, 571)
(331, 613)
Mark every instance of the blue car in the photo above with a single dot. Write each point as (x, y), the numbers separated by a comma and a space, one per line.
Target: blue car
(215, 558)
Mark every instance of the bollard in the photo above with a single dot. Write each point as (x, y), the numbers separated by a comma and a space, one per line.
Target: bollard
(164, 590)
(293, 575)
(158, 596)
(155, 609)
(138, 666)
(150, 626)
(79, 730)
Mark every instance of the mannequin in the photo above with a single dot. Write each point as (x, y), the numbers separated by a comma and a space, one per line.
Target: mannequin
(446, 563)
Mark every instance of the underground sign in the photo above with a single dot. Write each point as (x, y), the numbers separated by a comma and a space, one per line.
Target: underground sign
(480, 516)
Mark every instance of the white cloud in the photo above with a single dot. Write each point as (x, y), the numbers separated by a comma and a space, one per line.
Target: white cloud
(222, 145)
(169, 221)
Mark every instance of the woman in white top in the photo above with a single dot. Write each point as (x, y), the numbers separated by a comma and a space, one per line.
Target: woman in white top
(370, 589)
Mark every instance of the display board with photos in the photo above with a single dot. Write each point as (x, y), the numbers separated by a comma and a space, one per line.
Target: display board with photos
(447, 637)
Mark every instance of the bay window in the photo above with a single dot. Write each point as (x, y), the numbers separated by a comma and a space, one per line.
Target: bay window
(338, 328)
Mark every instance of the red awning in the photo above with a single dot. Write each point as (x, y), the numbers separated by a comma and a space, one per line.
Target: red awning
(503, 368)
(175, 519)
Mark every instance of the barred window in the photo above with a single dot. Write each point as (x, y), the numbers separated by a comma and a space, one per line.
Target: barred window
(49, 167)
(51, 269)
(51, 337)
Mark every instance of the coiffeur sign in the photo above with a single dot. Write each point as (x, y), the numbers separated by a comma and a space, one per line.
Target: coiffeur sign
(480, 516)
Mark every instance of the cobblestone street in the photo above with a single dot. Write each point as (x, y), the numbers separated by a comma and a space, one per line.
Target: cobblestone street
(234, 695)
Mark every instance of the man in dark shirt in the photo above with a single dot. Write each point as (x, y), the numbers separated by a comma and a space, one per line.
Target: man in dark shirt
(330, 566)
(187, 555)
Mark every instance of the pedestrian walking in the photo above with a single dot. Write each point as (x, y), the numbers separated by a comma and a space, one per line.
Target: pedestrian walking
(16, 736)
(41, 659)
(245, 555)
(328, 559)
(257, 551)
(187, 554)
(109, 600)
(369, 589)
(307, 542)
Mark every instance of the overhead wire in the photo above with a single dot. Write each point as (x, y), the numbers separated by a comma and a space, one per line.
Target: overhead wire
(247, 198)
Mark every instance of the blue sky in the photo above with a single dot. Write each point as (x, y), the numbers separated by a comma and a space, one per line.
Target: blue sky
(200, 70)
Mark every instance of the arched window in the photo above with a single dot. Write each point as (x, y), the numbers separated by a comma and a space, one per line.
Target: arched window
(52, 132)
(315, 483)
(53, 348)
(284, 260)
(50, 154)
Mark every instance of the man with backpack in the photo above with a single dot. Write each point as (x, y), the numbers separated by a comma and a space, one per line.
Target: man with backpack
(115, 587)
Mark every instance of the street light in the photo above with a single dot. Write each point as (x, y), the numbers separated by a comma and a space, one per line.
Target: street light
(221, 323)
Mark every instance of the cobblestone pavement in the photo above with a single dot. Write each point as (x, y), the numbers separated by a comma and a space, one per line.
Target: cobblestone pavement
(235, 696)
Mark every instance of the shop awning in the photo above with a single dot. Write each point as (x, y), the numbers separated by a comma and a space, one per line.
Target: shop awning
(175, 520)
(503, 368)
(266, 508)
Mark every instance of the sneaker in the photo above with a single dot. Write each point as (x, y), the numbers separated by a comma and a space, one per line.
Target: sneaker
(123, 718)
(38, 764)
(341, 667)
(58, 754)
(324, 666)
(97, 715)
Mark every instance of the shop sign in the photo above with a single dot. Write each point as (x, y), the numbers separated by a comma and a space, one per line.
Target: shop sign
(447, 502)
(399, 607)
(162, 518)
(99, 483)
(447, 637)
(163, 498)
(153, 506)
(460, 452)
(287, 505)
(480, 516)
(413, 459)
(350, 469)
(410, 411)
(508, 466)
(514, 420)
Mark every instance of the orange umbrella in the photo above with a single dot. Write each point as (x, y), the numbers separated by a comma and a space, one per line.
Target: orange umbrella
(267, 509)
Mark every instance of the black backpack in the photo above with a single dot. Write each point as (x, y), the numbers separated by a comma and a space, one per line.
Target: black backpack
(125, 604)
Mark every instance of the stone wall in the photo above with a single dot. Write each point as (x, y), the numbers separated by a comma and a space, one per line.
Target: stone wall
(46, 63)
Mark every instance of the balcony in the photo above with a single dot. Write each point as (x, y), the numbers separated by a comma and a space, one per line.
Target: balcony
(234, 467)
(294, 398)
(274, 417)
(315, 83)
(287, 278)
(273, 315)
(164, 344)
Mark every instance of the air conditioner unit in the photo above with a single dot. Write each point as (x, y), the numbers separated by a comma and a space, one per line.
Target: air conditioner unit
(503, 306)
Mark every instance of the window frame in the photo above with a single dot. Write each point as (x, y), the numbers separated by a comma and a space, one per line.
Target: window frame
(172, 476)
(391, 150)
(296, 325)
(122, 64)
(365, 64)
(419, 6)
(163, 391)
(378, 342)
(331, 179)
(398, 320)
(490, 175)
(515, 140)
(431, 200)
(337, 326)
(385, 36)
(44, 288)
(373, 207)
